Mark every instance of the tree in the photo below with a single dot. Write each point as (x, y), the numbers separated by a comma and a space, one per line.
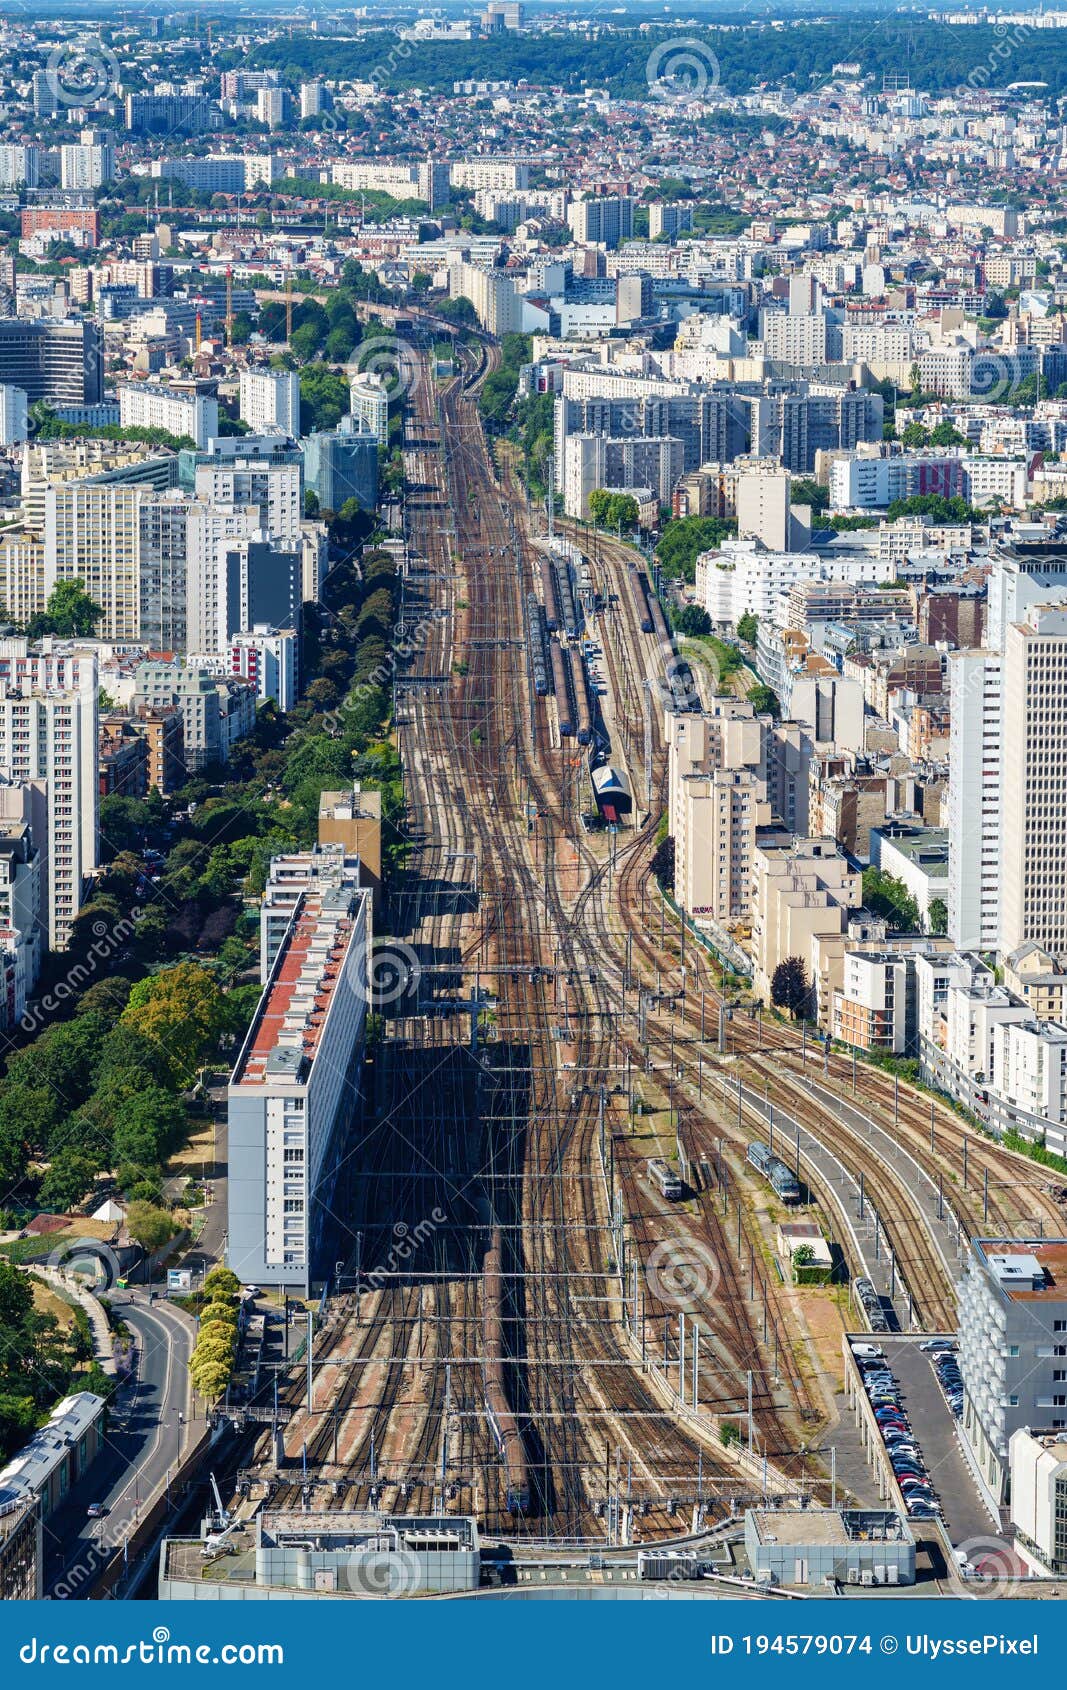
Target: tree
(889, 898)
(70, 613)
(148, 1226)
(748, 628)
(790, 987)
(937, 917)
(803, 1256)
(222, 1282)
(180, 1011)
(764, 700)
(663, 861)
(694, 619)
(69, 1178)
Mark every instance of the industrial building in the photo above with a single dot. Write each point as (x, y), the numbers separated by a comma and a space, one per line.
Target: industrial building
(296, 1088)
(864, 1546)
(301, 1555)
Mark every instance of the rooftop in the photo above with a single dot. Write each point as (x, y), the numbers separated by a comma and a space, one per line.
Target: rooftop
(829, 1526)
(28, 1472)
(296, 1001)
(1026, 1269)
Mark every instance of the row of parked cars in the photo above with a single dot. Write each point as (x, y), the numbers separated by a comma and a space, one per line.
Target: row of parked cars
(950, 1378)
(905, 1456)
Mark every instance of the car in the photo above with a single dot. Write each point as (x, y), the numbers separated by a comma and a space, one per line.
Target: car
(870, 1351)
(907, 1467)
(97, 1510)
(938, 1344)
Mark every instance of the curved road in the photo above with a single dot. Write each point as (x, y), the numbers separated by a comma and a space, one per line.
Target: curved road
(144, 1439)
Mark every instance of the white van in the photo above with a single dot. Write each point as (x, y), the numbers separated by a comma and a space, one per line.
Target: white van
(869, 1352)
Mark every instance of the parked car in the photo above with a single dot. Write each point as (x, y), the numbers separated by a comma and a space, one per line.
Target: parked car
(938, 1344)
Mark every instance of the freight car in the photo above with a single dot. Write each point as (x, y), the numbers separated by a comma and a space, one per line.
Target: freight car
(639, 593)
(560, 667)
(781, 1179)
(551, 596)
(568, 615)
(502, 1423)
(583, 714)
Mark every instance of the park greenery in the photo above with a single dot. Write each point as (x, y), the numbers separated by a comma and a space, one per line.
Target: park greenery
(40, 1360)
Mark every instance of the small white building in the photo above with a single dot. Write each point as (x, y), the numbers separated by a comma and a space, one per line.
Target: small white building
(1037, 1463)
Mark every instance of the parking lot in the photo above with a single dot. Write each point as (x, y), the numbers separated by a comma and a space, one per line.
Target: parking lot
(964, 1514)
(917, 1430)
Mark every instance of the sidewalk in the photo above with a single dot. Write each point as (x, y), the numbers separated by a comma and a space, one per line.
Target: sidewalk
(74, 1292)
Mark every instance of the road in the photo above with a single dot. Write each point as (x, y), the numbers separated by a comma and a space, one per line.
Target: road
(144, 1439)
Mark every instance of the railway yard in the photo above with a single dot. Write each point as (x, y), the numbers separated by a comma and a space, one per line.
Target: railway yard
(526, 1328)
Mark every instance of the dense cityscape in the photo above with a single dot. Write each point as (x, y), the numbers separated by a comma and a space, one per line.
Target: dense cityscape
(533, 804)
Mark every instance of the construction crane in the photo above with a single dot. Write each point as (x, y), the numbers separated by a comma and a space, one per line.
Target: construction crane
(229, 305)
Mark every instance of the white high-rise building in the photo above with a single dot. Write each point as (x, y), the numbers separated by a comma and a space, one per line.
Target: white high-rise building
(1034, 815)
(270, 107)
(82, 167)
(208, 529)
(310, 99)
(270, 401)
(294, 1094)
(19, 167)
(273, 488)
(147, 404)
(48, 740)
(369, 402)
(974, 798)
(267, 656)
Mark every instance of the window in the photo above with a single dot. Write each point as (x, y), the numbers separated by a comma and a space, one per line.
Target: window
(1013, 1349)
(1013, 1401)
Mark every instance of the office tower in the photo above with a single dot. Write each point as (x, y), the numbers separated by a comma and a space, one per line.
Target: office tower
(14, 414)
(974, 797)
(1034, 811)
(342, 466)
(270, 401)
(145, 404)
(369, 404)
(296, 1088)
(92, 534)
(45, 94)
(61, 362)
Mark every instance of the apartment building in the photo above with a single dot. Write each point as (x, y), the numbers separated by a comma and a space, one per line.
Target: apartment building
(1033, 850)
(974, 798)
(369, 404)
(267, 658)
(146, 404)
(92, 533)
(296, 1090)
(803, 890)
(270, 401)
(1013, 1348)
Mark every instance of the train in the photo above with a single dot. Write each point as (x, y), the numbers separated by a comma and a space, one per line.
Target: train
(611, 792)
(502, 1422)
(551, 594)
(560, 670)
(662, 1175)
(583, 708)
(537, 642)
(567, 612)
(640, 592)
(781, 1179)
